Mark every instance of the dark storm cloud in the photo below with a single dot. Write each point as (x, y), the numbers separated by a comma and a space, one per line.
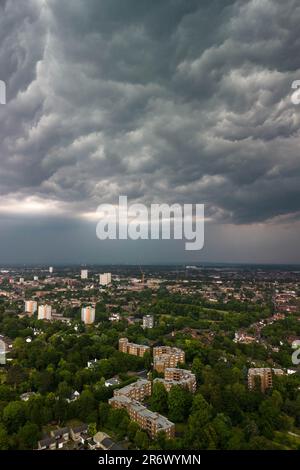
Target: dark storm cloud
(168, 101)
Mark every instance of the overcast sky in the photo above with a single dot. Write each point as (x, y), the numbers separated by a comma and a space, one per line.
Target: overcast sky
(164, 101)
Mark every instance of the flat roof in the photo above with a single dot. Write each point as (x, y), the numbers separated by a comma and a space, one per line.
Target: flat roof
(134, 385)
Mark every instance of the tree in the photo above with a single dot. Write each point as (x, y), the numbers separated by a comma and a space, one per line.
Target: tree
(141, 440)
(64, 390)
(118, 421)
(14, 416)
(101, 392)
(60, 410)
(179, 403)
(159, 398)
(147, 360)
(4, 441)
(237, 440)
(123, 427)
(6, 393)
(223, 429)
(260, 442)
(250, 428)
(132, 430)
(36, 411)
(16, 375)
(199, 435)
(92, 429)
(48, 409)
(197, 368)
(270, 410)
(28, 436)
(160, 440)
(86, 405)
(104, 409)
(43, 381)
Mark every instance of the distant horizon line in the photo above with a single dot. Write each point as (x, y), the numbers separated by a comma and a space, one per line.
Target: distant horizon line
(179, 263)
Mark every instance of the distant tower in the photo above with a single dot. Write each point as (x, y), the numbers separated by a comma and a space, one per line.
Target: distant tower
(45, 312)
(30, 307)
(84, 274)
(51, 270)
(105, 279)
(148, 321)
(143, 276)
(88, 315)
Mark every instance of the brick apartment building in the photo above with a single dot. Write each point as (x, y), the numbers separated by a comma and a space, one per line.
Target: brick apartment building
(181, 377)
(263, 376)
(132, 348)
(151, 422)
(137, 391)
(165, 357)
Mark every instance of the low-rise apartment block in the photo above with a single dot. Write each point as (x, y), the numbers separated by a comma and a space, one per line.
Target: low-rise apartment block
(132, 348)
(262, 376)
(137, 391)
(151, 422)
(182, 377)
(165, 357)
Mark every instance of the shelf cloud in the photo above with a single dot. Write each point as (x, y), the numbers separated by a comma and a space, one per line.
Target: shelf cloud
(177, 101)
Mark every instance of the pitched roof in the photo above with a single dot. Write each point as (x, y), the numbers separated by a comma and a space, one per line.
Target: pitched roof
(81, 428)
(58, 432)
(107, 442)
(46, 442)
(116, 447)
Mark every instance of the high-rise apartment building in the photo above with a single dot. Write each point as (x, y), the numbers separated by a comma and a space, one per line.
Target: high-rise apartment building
(105, 279)
(132, 348)
(44, 312)
(30, 307)
(88, 315)
(148, 321)
(84, 274)
(51, 270)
